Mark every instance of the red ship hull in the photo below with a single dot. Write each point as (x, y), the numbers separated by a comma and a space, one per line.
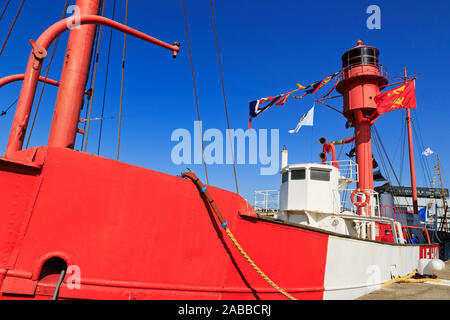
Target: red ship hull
(136, 233)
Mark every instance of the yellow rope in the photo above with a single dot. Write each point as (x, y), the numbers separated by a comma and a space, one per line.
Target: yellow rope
(408, 279)
(254, 266)
(399, 279)
(422, 280)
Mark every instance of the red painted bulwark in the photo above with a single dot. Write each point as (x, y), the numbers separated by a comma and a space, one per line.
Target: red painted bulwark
(140, 234)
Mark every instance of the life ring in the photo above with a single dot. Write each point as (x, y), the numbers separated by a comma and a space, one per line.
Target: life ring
(360, 204)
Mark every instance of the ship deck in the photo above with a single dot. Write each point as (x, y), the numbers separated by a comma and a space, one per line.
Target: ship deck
(415, 291)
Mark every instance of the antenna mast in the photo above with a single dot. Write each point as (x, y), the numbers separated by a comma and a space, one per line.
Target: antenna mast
(444, 200)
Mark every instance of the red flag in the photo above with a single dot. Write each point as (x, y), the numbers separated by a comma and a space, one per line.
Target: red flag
(401, 97)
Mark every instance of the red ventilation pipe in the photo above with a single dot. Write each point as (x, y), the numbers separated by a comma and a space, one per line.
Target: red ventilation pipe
(328, 147)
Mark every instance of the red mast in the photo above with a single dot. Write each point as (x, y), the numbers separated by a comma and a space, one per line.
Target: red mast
(362, 79)
(411, 158)
(74, 76)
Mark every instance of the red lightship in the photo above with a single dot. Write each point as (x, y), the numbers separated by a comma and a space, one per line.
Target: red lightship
(143, 234)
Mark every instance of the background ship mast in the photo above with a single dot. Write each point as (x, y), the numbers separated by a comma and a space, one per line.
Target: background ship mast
(411, 156)
(444, 200)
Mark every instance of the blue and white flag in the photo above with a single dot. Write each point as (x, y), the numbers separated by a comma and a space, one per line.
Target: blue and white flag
(423, 214)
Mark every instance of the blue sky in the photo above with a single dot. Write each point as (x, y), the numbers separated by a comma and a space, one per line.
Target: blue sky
(266, 48)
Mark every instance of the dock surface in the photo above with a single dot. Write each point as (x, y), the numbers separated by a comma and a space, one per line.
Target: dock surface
(415, 291)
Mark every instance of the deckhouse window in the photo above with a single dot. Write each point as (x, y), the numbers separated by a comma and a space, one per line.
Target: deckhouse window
(321, 175)
(298, 174)
(285, 177)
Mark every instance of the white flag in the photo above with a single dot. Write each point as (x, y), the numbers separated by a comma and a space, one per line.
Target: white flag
(427, 152)
(306, 120)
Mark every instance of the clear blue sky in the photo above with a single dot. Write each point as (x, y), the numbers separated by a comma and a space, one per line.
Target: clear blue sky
(266, 48)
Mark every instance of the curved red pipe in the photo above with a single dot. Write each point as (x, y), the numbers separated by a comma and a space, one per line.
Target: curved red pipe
(329, 147)
(59, 27)
(34, 66)
(349, 140)
(18, 77)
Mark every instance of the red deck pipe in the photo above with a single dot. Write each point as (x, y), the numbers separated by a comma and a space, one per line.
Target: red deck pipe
(328, 147)
(339, 142)
(34, 66)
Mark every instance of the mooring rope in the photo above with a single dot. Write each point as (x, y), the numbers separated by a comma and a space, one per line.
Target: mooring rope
(408, 279)
(193, 177)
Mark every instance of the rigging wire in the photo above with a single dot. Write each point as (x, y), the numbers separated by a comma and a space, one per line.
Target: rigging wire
(403, 145)
(195, 91)
(11, 28)
(381, 158)
(421, 146)
(5, 111)
(386, 154)
(383, 165)
(90, 86)
(55, 45)
(106, 80)
(89, 112)
(9, 107)
(122, 82)
(328, 106)
(92, 59)
(380, 147)
(4, 10)
(342, 146)
(224, 97)
(425, 173)
(397, 146)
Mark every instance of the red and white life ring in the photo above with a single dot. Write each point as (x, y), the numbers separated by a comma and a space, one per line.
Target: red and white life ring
(361, 203)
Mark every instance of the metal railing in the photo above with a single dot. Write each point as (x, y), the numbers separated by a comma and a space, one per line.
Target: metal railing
(382, 70)
(348, 169)
(267, 201)
(344, 204)
(392, 212)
